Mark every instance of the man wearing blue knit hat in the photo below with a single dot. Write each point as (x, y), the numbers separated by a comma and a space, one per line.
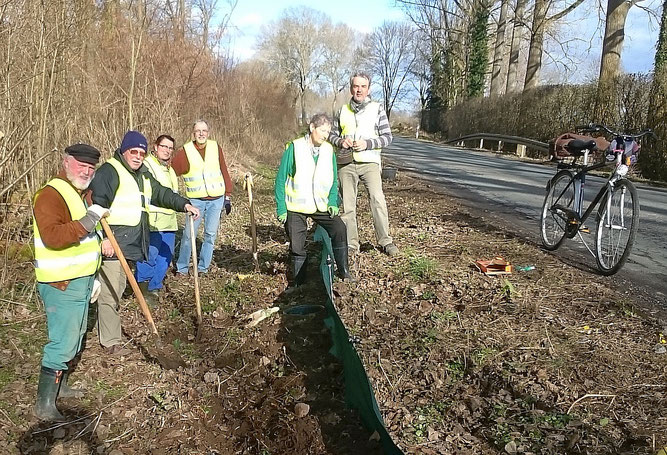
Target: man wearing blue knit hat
(126, 188)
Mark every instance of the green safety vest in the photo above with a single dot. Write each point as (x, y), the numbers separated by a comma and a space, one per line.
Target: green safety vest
(204, 178)
(75, 261)
(307, 191)
(361, 126)
(128, 202)
(160, 218)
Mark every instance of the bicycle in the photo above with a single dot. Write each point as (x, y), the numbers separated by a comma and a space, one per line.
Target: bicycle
(618, 211)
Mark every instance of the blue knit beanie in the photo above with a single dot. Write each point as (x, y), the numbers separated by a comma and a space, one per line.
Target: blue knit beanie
(133, 139)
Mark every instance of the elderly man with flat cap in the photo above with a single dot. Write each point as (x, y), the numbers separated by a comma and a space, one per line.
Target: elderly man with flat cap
(125, 186)
(67, 257)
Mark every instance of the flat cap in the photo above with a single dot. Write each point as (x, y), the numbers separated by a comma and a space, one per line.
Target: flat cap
(84, 153)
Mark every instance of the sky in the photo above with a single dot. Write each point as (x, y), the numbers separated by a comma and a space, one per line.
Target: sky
(584, 36)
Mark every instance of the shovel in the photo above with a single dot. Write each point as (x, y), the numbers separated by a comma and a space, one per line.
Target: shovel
(193, 245)
(162, 359)
(247, 184)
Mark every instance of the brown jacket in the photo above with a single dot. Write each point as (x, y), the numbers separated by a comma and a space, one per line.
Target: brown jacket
(55, 224)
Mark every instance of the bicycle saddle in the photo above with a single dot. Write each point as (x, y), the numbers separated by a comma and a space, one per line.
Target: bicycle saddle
(577, 146)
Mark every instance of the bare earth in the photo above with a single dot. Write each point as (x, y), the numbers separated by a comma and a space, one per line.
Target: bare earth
(549, 361)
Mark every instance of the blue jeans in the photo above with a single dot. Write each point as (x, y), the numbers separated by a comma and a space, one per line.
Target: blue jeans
(160, 252)
(66, 320)
(210, 210)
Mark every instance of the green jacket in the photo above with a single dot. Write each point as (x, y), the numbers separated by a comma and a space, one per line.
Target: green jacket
(288, 167)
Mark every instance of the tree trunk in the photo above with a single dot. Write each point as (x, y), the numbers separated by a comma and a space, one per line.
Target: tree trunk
(536, 44)
(513, 82)
(304, 118)
(612, 45)
(497, 73)
(653, 159)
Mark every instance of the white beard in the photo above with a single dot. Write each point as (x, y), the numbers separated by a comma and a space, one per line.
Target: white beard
(76, 182)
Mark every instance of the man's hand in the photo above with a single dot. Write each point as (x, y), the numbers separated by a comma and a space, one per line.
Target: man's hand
(228, 204)
(93, 215)
(360, 145)
(192, 210)
(282, 218)
(347, 143)
(99, 210)
(107, 249)
(333, 211)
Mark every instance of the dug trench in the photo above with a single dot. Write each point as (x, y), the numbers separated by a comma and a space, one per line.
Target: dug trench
(550, 361)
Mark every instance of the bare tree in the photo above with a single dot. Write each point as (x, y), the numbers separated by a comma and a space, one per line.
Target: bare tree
(513, 82)
(339, 56)
(497, 67)
(392, 55)
(541, 21)
(292, 45)
(614, 35)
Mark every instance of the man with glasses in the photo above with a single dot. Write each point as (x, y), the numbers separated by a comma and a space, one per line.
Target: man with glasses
(162, 222)
(207, 184)
(127, 189)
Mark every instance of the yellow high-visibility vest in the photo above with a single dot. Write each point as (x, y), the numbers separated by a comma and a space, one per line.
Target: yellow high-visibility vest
(160, 218)
(308, 190)
(128, 202)
(361, 126)
(204, 178)
(75, 261)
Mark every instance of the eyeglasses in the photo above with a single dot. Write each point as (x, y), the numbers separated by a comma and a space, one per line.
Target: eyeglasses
(165, 147)
(137, 152)
(201, 131)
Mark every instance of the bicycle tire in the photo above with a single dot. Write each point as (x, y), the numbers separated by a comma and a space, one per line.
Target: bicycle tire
(553, 223)
(614, 238)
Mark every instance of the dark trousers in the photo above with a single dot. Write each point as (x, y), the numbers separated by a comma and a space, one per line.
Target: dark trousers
(297, 228)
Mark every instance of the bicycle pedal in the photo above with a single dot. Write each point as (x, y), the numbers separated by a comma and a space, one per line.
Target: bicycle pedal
(585, 229)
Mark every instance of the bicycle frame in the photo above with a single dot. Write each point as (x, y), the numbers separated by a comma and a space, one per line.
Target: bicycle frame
(579, 180)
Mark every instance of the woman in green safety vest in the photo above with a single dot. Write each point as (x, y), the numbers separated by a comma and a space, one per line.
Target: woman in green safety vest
(307, 187)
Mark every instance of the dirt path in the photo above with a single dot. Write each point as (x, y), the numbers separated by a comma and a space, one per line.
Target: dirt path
(462, 363)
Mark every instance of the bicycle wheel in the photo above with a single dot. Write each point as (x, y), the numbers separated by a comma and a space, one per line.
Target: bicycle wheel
(618, 221)
(560, 196)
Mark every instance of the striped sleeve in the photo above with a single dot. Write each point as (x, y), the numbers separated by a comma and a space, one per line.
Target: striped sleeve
(384, 131)
(334, 135)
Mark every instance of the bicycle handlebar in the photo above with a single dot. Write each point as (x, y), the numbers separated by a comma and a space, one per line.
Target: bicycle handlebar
(594, 127)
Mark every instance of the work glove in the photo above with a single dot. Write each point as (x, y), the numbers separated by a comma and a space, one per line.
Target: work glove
(333, 211)
(93, 215)
(228, 204)
(282, 218)
(97, 287)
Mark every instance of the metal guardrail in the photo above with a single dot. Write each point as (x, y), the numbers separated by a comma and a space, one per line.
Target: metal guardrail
(501, 138)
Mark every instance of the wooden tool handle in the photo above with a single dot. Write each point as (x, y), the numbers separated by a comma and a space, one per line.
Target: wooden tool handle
(130, 275)
(193, 244)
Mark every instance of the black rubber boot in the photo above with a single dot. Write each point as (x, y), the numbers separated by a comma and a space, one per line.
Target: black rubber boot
(68, 392)
(343, 264)
(47, 392)
(298, 273)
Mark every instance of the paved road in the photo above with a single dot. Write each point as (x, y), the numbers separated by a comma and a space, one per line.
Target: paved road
(514, 191)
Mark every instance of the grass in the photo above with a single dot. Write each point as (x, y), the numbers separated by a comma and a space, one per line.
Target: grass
(455, 370)
(479, 356)
(508, 291)
(420, 267)
(430, 415)
(110, 392)
(187, 350)
(443, 316)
